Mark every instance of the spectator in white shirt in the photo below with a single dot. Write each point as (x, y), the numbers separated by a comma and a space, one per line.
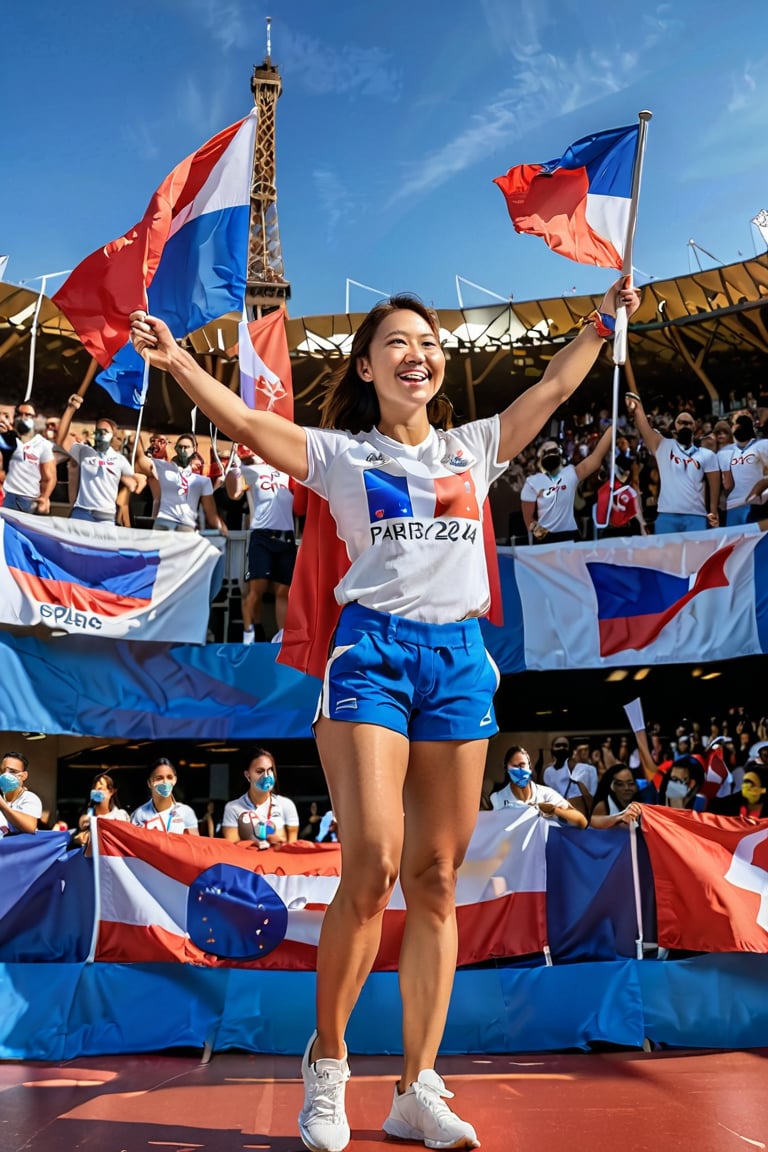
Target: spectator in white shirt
(102, 470)
(744, 465)
(689, 476)
(179, 491)
(20, 809)
(28, 472)
(575, 778)
(522, 791)
(547, 498)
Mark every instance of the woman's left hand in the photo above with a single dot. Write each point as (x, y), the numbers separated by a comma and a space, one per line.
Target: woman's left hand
(622, 293)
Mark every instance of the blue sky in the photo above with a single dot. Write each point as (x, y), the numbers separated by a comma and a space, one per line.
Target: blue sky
(393, 122)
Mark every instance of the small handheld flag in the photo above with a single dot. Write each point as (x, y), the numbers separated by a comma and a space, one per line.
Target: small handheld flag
(579, 203)
(185, 261)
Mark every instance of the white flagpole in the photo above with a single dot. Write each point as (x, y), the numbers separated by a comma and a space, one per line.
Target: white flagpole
(620, 338)
(144, 390)
(622, 324)
(93, 827)
(639, 939)
(33, 342)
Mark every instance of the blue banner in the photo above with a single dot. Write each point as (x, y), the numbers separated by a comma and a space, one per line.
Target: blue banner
(75, 686)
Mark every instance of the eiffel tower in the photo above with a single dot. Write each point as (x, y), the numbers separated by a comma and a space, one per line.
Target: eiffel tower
(266, 287)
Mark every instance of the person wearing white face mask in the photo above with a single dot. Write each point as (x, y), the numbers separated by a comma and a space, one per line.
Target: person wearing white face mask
(260, 814)
(522, 791)
(163, 813)
(102, 469)
(28, 470)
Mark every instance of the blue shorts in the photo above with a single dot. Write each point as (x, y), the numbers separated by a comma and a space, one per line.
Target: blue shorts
(425, 681)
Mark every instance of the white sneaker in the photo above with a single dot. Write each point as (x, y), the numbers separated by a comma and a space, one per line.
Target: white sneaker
(249, 635)
(422, 1114)
(323, 1123)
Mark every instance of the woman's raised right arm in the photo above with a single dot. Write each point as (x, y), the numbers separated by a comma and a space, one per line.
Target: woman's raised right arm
(278, 441)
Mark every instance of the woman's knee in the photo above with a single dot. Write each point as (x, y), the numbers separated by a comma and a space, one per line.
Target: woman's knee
(432, 887)
(367, 884)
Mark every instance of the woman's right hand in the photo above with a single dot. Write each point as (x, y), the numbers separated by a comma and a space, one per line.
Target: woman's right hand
(152, 339)
(633, 811)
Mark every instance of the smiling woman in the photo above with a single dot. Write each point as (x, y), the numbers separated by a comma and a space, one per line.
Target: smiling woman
(406, 707)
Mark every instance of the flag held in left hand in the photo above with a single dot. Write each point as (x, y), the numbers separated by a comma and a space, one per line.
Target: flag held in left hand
(579, 203)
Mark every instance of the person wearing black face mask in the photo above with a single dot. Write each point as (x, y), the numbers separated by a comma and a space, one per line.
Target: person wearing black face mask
(547, 498)
(28, 472)
(689, 476)
(102, 470)
(181, 494)
(744, 465)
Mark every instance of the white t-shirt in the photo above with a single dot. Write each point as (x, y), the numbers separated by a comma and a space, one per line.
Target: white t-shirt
(540, 794)
(270, 500)
(747, 463)
(181, 491)
(682, 472)
(27, 802)
(177, 818)
(23, 476)
(100, 474)
(410, 517)
(553, 496)
(277, 810)
(562, 779)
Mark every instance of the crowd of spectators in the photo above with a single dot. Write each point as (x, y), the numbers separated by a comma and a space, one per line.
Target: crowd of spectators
(261, 814)
(737, 439)
(717, 765)
(712, 764)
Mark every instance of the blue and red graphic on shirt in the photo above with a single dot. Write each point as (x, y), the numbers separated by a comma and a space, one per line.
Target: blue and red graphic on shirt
(79, 576)
(635, 603)
(389, 497)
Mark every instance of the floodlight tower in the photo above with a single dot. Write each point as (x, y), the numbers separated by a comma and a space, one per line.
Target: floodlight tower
(267, 287)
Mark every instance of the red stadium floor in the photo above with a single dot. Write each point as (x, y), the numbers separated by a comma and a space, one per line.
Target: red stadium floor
(628, 1102)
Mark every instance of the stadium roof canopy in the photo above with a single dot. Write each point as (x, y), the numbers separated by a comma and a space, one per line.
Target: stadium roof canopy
(701, 335)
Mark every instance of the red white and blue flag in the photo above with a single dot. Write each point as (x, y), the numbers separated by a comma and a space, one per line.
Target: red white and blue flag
(636, 602)
(185, 261)
(580, 202)
(695, 596)
(101, 581)
(265, 364)
(710, 875)
(211, 902)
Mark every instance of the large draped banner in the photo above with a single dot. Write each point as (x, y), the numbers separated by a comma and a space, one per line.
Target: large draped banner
(98, 580)
(216, 903)
(643, 600)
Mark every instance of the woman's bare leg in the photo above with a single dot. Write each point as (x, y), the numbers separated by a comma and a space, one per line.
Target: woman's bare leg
(365, 769)
(442, 801)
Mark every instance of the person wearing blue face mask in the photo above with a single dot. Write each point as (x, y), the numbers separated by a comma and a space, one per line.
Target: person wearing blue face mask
(102, 802)
(260, 814)
(20, 809)
(522, 791)
(163, 813)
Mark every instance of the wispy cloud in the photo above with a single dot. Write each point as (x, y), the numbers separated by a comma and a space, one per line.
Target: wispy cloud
(734, 132)
(333, 198)
(544, 88)
(223, 20)
(329, 69)
(546, 84)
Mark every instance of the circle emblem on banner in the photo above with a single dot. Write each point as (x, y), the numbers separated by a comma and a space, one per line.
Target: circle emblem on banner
(234, 914)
